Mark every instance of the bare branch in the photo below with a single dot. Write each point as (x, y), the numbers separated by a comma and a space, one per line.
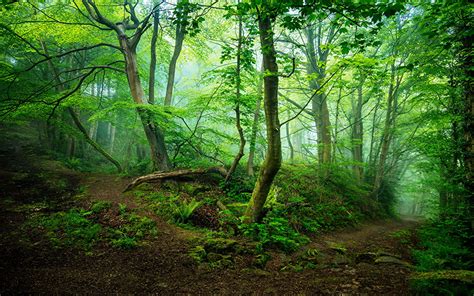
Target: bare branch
(311, 98)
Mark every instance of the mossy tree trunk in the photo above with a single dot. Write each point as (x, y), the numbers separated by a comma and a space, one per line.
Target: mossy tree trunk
(272, 162)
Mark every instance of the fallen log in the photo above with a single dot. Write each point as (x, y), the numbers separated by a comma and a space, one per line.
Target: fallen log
(175, 174)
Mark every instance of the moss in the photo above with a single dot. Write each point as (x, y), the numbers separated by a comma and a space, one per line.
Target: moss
(198, 253)
(338, 247)
(466, 276)
(220, 245)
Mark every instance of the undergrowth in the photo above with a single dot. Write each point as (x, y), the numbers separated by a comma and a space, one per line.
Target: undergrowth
(444, 248)
(100, 223)
(304, 200)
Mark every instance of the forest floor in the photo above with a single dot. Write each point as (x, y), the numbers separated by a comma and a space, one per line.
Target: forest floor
(370, 259)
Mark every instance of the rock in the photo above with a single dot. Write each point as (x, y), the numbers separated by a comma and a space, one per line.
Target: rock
(383, 253)
(392, 260)
(214, 257)
(337, 247)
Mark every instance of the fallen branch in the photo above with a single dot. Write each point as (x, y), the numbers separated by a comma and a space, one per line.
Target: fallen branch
(175, 174)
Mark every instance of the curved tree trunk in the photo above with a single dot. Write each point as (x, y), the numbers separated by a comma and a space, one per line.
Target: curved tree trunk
(272, 162)
(154, 134)
(75, 118)
(91, 142)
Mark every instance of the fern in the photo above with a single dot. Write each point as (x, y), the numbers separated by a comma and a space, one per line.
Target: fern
(185, 210)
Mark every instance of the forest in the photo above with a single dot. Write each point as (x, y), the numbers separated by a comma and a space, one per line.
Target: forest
(223, 147)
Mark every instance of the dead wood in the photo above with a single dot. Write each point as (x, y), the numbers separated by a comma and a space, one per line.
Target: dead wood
(174, 175)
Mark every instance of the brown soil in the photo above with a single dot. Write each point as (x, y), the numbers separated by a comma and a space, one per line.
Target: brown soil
(162, 266)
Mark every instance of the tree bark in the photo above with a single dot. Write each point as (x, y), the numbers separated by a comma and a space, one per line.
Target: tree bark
(358, 134)
(387, 133)
(272, 162)
(175, 174)
(154, 134)
(238, 125)
(178, 45)
(154, 38)
(319, 104)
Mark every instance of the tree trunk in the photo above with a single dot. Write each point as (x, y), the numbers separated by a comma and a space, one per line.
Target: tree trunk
(288, 139)
(319, 104)
(76, 119)
(154, 37)
(153, 132)
(239, 154)
(174, 175)
(112, 138)
(357, 135)
(94, 144)
(272, 162)
(387, 135)
(256, 116)
(180, 33)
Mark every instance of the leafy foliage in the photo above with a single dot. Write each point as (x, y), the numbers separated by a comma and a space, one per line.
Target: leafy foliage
(84, 229)
(274, 232)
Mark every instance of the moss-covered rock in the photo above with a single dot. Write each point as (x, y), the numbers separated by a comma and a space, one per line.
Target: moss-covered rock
(466, 276)
(220, 245)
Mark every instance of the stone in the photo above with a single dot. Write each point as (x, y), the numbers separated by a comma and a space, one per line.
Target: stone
(337, 247)
(391, 260)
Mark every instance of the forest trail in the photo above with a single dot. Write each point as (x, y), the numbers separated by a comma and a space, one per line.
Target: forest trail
(371, 259)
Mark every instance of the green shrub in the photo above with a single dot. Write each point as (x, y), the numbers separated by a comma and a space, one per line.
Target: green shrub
(129, 234)
(274, 232)
(444, 249)
(124, 242)
(443, 245)
(71, 229)
(78, 228)
(100, 206)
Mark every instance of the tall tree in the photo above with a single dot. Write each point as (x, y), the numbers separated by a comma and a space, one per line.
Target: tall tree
(272, 162)
(128, 45)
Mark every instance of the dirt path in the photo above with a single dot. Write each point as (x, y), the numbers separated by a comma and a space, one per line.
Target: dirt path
(346, 261)
(163, 267)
